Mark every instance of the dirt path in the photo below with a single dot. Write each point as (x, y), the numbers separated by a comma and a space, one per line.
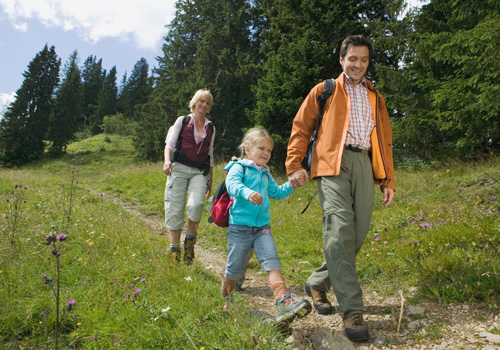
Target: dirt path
(425, 326)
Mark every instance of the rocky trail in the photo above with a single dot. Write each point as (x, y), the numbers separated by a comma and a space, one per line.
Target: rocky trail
(428, 326)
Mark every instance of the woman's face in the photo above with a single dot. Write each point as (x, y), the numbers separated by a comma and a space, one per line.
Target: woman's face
(202, 106)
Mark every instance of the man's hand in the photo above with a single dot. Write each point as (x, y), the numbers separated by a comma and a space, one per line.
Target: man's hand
(388, 196)
(298, 179)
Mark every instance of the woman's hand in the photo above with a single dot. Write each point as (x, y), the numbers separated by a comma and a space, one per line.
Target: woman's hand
(209, 188)
(167, 167)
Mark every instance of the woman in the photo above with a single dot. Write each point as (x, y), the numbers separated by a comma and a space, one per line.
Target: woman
(189, 166)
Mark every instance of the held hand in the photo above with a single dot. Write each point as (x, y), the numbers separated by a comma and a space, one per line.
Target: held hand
(167, 167)
(255, 198)
(298, 178)
(388, 196)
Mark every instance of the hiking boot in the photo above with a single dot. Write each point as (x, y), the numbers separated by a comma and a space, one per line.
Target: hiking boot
(320, 301)
(239, 284)
(356, 328)
(289, 308)
(189, 250)
(175, 255)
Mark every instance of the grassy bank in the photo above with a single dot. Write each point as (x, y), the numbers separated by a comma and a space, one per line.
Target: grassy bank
(442, 235)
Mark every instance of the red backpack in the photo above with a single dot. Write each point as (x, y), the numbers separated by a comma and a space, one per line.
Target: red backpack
(222, 204)
(219, 214)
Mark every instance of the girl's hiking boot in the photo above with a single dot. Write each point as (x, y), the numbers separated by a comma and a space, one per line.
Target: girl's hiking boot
(356, 328)
(189, 250)
(289, 307)
(175, 255)
(320, 301)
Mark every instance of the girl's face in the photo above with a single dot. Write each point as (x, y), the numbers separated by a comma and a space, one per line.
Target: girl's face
(260, 152)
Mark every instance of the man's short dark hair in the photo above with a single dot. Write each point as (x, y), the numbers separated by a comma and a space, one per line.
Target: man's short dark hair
(355, 40)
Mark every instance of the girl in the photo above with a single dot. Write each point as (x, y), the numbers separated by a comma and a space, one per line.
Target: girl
(250, 184)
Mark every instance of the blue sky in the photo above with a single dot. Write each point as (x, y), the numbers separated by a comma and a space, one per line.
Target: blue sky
(118, 31)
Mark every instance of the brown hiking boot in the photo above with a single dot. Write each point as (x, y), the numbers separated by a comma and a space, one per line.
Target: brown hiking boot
(356, 328)
(320, 301)
(175, 255)
(189, 250)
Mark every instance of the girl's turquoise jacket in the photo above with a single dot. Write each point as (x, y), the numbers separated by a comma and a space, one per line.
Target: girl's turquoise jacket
(241, 184)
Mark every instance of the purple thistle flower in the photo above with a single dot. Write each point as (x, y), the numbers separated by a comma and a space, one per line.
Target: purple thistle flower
(95, 337)
(62, 237)
(143, 280)
(70, 304)
(127, 294)
(416, 243)
(424, 224)
(377, 239)
(421, 241)
(386, 242)
(132, 285)
(137, 291)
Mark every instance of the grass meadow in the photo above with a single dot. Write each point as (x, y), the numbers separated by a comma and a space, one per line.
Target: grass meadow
(116, 286)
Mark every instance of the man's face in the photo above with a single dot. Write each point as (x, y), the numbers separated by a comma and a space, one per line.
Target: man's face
(355, 63)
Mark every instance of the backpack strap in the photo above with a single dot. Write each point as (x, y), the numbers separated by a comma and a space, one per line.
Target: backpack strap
(185, 120)
(325, 95)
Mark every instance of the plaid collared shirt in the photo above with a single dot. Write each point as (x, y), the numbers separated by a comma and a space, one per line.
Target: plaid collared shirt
(361, 119)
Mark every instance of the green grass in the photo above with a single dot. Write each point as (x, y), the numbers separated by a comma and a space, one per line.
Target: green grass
(108, 250)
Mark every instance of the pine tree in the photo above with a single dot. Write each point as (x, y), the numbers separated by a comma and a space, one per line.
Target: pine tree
(25, 124)
(450, 104)
(107, 102)
(68, 108)
(93, 79)
(136, 90)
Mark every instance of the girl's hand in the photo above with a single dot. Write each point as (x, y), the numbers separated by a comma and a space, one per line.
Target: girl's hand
(255, 198)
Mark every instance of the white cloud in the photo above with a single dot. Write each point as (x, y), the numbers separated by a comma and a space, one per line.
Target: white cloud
(5, 100)
(140, 21)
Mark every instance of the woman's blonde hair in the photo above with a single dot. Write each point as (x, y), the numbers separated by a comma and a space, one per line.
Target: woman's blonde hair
(202, 94)
(253, 136)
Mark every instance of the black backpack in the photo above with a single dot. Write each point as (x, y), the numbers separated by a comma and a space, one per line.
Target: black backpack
(325, 95)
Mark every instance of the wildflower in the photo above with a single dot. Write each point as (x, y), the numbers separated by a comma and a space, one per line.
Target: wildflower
(410, 244)
(188, 278)
(50, 238)
(132, 285)
(62, 237)
(78, 324)
(424, 224)
(127, 294)
(209, 267)
(377, 239)
(55, 252)
(70, 304)
(143, 280)
(167, 309)
(137, 291)
(386, 242)
(47, 280)
(95, 337)
(421, 242)
(416, 243)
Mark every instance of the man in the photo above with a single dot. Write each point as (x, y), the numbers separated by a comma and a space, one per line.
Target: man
(353, 150)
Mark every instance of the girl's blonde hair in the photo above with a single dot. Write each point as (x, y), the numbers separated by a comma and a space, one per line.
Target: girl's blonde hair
(199, 95)
(253, 136)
